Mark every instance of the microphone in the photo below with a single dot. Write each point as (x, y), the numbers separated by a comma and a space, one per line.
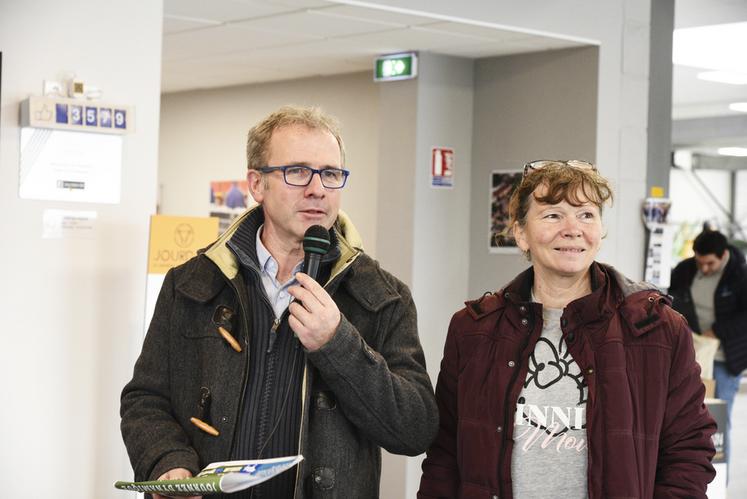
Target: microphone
(315, 246)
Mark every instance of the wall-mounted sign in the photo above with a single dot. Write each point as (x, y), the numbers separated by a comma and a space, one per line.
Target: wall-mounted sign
(77, 115)
(58, 165)
(396, 67)
(68, 224)
(442, 167)
(174, 240)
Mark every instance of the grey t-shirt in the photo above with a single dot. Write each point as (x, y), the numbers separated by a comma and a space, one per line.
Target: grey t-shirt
(703, 290)
(550, 452)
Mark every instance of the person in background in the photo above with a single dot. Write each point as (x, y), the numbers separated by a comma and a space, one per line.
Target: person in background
(572, 381)
(247, 357)
(710, 290)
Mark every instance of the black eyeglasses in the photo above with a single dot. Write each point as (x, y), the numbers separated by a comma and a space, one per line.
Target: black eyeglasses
(300, 175)
(541, 163)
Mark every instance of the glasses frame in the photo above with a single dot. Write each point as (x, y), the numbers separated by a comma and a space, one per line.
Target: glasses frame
(535, 165)
(270, 169)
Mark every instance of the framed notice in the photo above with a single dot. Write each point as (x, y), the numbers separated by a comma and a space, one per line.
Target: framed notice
(502, 185)
(59, 165)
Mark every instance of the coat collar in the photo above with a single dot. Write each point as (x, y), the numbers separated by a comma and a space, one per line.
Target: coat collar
(639, 302)
(201, 283)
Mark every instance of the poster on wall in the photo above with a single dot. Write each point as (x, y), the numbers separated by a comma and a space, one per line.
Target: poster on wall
(173, 241)
(502, 185)
(228, 200)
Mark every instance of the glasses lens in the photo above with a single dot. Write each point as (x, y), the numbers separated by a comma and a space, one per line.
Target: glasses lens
(333, 177)
(298, 175)
(573, 163)
(581, 165)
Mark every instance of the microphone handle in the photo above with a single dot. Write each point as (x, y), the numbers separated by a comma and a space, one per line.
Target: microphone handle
(311, 265)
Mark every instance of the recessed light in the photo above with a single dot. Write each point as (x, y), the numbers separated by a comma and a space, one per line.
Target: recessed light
(729, 77)
(732, 151)
(738, 106)
(718, 47)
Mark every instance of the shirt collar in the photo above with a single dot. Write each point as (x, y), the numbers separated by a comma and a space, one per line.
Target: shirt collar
(265, 260)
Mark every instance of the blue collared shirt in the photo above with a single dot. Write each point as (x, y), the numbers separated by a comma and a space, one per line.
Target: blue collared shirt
(277, 293)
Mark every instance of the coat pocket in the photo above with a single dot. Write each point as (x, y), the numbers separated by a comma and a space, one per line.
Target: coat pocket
(477, 442)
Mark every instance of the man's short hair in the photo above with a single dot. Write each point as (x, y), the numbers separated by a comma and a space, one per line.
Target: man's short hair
(710, 242)
(312, 117)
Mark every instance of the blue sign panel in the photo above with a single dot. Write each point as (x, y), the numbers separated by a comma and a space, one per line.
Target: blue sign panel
(76, 115)
(91, 116)
(105, 117)
(61, 113)
(120, 118)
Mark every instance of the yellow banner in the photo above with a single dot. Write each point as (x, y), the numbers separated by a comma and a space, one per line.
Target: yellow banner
(174, 240)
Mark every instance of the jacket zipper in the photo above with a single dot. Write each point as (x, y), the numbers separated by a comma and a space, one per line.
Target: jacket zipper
(245, 376)
(506, 415)
(275, 326)
(304, 387)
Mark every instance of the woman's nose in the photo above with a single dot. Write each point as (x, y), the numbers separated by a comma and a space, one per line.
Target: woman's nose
(571, 227)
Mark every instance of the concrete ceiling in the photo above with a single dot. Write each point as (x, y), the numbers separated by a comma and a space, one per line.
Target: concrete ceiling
(694, 98)
(232, 42)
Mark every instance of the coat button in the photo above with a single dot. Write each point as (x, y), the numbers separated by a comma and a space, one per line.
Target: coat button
(590, 370)
(564, 322)
(324, 478)
(524, 321)
(571, 337)
(511, 363)
(499, 429)
(522, 309)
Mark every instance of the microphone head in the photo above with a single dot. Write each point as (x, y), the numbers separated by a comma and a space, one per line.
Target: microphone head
(316, 240)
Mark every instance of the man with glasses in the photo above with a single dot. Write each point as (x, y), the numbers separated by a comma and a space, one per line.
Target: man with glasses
(247, 357)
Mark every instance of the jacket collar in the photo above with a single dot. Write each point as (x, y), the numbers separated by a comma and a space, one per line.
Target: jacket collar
(202, 283)
(639, 302)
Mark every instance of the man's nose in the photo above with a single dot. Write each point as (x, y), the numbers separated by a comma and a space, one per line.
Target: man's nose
(315, 187)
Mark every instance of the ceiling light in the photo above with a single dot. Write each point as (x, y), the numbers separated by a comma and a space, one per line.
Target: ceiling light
(738, 106)
(732, 151)
(724, 77)
(718, 47)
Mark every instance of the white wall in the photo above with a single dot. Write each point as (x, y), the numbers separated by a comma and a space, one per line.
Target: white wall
(523, 104)
(203, 138)
(621, 28)
(73, 309)
(692, 203)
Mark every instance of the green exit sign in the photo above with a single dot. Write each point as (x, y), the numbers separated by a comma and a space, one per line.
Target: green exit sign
(396, 67)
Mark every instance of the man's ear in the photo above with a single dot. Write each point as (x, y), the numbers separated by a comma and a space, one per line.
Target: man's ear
(256, 185)
(520, 236)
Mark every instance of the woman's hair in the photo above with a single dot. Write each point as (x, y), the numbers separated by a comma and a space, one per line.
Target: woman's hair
(563, 183)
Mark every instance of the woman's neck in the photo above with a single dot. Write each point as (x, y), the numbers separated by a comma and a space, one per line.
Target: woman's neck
(555, 291)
